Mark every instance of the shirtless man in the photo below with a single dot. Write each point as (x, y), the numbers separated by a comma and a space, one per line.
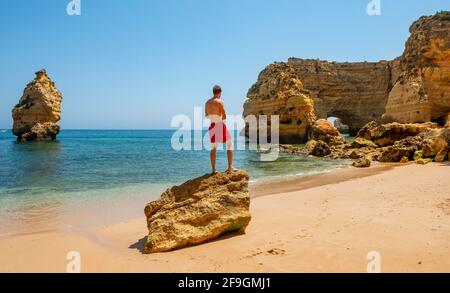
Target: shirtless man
(218, 133)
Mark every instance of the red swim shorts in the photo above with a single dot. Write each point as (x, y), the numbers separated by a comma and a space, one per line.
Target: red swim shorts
(218, 133)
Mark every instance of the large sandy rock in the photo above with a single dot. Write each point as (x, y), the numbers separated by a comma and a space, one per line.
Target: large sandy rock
(199, 210)
(38, 111)
(279, 91)
(387, 134)
(324, 131)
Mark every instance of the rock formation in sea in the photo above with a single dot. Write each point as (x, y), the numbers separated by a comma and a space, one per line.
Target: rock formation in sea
(38, 110)
(199, 210)
(412, 88)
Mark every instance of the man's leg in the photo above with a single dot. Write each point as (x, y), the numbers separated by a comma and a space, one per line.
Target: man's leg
(213, 158)
(230, 148)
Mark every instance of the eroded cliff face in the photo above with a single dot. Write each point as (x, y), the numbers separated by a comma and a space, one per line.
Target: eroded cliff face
(279, 91)
(412, 88)
(422, 92)
(38, 110)
(354, 92)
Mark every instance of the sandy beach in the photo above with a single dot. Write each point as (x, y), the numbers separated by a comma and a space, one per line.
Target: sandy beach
(321, 223)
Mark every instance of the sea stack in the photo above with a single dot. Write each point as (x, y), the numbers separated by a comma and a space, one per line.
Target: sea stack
(38, 110)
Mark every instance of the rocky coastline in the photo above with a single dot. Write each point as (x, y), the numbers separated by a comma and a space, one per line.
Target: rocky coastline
(398, 110)
(386, 143)
(413, 88)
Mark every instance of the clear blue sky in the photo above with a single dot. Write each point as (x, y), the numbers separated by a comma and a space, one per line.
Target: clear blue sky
(136, 63)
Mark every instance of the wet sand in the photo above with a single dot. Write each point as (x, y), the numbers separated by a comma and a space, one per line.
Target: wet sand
(321, 223)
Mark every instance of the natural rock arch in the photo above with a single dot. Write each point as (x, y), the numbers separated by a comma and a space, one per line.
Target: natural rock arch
(339, 123)
(347, 118)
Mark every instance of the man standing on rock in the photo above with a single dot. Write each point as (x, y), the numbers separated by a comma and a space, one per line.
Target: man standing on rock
(218, 133)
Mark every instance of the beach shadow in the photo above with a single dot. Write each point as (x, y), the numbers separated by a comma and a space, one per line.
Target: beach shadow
(139, 245)
(223, 237)
(444, 164)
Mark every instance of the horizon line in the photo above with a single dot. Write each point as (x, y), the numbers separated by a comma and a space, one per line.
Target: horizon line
(115, 129)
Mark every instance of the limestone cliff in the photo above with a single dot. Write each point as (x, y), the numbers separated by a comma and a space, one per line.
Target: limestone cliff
(354, 92)
(38, 111)
(412, 88)
(422, 93)
(279, 91)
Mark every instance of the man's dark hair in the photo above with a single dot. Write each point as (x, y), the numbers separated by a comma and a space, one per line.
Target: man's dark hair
(217, 89)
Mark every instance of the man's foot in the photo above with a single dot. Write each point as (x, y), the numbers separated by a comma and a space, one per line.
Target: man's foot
(231, 169)
(214, 173)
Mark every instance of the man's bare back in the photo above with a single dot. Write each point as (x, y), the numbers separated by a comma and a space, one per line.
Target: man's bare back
(215, 108)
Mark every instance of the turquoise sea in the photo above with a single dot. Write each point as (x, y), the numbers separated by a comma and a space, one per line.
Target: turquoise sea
(104, 174)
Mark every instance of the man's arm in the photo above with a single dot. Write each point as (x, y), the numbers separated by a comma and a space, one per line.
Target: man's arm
(206, 109)
(224, 114)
